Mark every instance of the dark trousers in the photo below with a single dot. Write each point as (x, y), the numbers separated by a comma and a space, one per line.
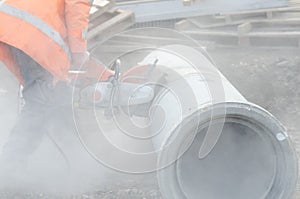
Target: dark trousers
(45, 105)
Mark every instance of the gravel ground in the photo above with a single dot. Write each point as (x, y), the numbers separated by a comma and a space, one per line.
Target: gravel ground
(125, 191)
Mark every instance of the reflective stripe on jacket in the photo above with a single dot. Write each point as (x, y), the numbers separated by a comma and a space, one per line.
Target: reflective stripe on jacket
(48, 31)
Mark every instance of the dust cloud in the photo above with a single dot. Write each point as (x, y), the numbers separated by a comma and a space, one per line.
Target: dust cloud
(60, 165)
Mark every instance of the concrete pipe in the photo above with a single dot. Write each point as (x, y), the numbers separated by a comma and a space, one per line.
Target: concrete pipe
(214, 143)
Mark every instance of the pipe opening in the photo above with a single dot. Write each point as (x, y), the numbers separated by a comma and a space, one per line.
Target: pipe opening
(241, 165)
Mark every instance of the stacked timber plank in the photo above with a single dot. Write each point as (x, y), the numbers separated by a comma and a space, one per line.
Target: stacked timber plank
(106, 21)
(294, 3)
(265, 27)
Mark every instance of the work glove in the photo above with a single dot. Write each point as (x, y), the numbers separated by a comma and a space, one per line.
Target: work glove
(91, 72)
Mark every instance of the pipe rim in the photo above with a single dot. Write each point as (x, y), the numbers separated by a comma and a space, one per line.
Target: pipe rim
(287, 175)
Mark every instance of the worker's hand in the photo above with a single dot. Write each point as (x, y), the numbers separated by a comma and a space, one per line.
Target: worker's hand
(79, 60)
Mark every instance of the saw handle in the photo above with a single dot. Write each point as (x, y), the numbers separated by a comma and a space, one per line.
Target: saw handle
(95, 72)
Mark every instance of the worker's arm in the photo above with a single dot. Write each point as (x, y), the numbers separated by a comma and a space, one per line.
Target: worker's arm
(77, 19)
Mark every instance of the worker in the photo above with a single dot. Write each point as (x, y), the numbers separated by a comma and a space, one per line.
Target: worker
(39, 42)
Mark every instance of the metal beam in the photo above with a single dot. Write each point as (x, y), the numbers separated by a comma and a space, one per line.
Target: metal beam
(152, 10)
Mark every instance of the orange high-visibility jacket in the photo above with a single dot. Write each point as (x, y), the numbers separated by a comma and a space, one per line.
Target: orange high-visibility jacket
(47, 30)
